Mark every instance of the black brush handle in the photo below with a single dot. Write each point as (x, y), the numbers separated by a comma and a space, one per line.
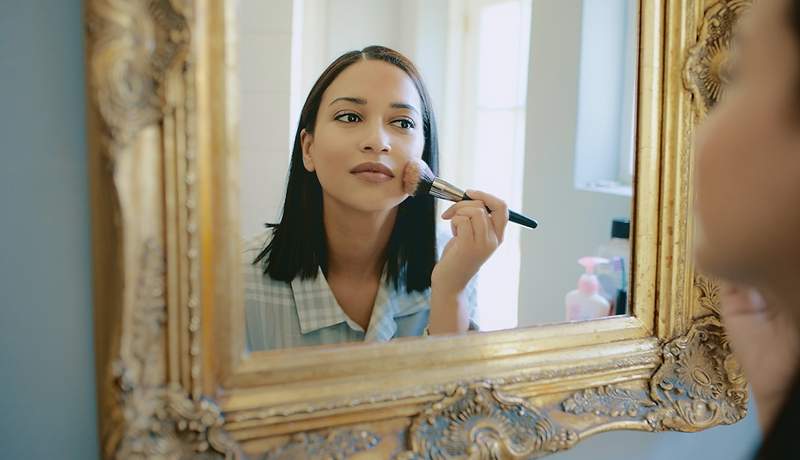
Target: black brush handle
(522, 220)
(515, 217)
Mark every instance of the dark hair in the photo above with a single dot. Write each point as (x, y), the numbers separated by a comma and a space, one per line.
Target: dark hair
(298, 246)
(796, 18)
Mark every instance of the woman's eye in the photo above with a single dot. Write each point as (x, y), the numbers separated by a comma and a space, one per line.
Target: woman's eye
(404, 123)
(348, 118)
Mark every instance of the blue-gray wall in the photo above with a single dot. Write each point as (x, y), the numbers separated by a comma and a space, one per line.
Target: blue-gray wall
(47, 387)
(47, 390)
(734, 442)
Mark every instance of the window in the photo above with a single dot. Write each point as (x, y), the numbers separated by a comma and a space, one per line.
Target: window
(605, 141)
(484, 141)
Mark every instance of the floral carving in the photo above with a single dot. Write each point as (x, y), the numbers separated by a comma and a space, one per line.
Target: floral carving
(700, 383)
(336, 445)
(609, 401)
(131, 46)
(708, 68)
(707, 293)
(480, 422)
(157, 420)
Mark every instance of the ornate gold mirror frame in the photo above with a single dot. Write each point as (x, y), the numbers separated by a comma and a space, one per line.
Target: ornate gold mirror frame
(172, 376)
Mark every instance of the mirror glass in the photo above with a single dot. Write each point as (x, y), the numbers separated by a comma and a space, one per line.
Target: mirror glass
(534, 102)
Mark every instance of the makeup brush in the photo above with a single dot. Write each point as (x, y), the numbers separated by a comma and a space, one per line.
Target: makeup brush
(419, 180)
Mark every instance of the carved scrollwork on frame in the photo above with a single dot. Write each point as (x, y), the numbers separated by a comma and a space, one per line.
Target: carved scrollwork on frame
(706, 74)
(708, 67)
(131, 46)
(155, 420)
(699, 385)
(609, 401)
(707, 293)
(483, 423)
(336, 445)
(138, 373)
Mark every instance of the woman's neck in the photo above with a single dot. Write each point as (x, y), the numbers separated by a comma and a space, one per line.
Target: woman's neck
(356, 240)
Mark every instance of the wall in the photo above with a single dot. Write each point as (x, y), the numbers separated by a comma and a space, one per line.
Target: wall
(573, 222)
(265, 63)
(47, 402)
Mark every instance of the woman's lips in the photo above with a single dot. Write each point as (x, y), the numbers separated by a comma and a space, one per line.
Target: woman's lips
(374, 172)
(374, 177)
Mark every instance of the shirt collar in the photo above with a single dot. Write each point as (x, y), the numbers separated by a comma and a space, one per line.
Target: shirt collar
(316, 305)
(317, 308)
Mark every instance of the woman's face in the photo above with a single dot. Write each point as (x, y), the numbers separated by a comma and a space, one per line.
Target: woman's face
(748, 156)
(368, 127)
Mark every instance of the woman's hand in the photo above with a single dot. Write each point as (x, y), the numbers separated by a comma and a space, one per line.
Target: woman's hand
(476, 235)
(766, 344)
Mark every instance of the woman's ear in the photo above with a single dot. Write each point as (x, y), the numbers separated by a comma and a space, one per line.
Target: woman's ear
(306, 141)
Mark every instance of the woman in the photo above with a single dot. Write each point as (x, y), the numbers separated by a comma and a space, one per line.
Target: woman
(748, 214)
(354, 258)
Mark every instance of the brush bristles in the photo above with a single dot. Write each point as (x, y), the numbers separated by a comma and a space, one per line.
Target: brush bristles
(417, 178)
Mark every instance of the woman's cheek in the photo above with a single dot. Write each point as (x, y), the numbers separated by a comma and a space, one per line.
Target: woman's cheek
(714, 178)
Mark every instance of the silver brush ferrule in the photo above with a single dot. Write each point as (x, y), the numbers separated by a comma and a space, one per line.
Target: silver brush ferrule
(446, 191)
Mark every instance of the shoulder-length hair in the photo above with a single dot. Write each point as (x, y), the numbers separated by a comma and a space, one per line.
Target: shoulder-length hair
(298, 246)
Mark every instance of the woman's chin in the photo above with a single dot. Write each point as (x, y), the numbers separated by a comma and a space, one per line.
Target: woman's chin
(376, 206)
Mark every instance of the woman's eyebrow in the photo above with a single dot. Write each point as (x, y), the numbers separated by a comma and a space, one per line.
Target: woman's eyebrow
(354, 100)
(400, 105)
(360, 101)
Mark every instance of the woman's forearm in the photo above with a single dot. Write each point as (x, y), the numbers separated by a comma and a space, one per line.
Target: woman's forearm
(449, 311)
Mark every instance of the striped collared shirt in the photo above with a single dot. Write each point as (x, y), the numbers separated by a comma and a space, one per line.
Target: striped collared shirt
(306, 313)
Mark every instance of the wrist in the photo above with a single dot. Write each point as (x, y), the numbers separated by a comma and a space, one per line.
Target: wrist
(449, 312)
(445, 289)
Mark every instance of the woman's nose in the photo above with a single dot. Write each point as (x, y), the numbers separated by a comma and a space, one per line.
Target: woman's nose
(376, 140)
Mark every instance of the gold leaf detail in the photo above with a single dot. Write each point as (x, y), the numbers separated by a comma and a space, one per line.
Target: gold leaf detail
(131, 46)
(708, 67)
(478, 422)
(335, 445)
(609, 401)
(707, 293)
(700, 385)
(157, 420)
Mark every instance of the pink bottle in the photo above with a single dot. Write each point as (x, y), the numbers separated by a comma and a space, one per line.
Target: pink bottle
(585, 302)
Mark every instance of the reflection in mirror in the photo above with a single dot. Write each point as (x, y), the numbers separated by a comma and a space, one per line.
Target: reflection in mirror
(533, 102)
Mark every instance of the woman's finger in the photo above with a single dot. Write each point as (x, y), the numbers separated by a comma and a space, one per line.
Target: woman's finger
(498, 208)
(460, 205)
(481, 224)
(463, 229)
